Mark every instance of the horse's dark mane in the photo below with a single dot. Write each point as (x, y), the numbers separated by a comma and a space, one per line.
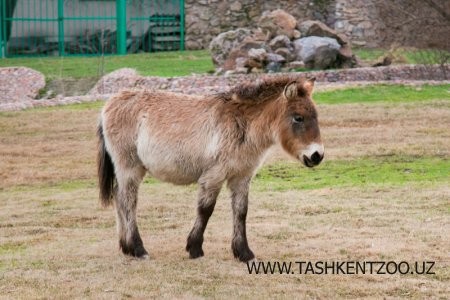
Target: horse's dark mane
(264, 89)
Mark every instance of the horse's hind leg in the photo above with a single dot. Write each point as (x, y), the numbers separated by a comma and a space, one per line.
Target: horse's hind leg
(239, 201)
(207, 196)
(128, 181)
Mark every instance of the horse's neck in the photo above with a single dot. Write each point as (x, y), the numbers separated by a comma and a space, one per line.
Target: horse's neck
(264, 123)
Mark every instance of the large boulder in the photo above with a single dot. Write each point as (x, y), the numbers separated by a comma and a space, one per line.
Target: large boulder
(278, 22)
(305, 48)
(222, 45)
(307, 51)
(317, 28)
(324, 58)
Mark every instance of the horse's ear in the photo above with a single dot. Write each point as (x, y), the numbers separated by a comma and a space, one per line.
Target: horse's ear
(291, 91)
(309, 85)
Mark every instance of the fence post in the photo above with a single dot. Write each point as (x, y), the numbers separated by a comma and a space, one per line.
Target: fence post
(2, 29)
(61, 27)
(121, 23)
(181, 24)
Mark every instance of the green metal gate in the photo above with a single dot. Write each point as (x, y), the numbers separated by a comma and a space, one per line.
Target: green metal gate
(90, 27)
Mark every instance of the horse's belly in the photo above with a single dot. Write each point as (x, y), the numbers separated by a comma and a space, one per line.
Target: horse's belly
(173, 175)
(169, 165)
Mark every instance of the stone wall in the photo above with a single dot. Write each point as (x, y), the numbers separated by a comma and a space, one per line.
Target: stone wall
(368, 23)
(205, 19)
(358, 21)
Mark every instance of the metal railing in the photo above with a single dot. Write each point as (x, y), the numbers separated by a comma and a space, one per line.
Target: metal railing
(87, 27)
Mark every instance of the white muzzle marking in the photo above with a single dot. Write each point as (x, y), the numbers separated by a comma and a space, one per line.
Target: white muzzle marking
(311, 149)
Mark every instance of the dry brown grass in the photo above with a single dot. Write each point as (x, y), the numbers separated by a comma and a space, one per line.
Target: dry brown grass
(56, 241)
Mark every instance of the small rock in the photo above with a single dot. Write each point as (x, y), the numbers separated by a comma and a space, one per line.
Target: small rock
(257, 70)
(289, 55)
(253, 63)
(272, 57)
(280, 41)
(230, 62)
(229, 73)
(382, 62)
(296, 65)
(219, 71)
(257, 54)
(241, 70)
(273, 67)
(359, 43)
(249, 42)
(240, 62)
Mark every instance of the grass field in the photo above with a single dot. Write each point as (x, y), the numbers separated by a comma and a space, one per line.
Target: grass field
(166, 64)
(382, 193)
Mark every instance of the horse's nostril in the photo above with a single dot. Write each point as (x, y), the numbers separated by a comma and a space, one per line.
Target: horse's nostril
(316, 158)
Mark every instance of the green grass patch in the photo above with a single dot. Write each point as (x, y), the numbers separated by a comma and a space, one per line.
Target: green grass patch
(384, 93)
(96, 105)
(49, 188)
(404, 55)
(369, 54)
(165, 64)
(370, 171)
(12, 247)
(289, 175)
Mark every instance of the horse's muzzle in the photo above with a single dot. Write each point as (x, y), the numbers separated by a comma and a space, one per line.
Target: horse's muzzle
(314, 160)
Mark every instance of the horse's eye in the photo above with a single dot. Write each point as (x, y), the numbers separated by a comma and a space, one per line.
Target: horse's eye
(297, 119)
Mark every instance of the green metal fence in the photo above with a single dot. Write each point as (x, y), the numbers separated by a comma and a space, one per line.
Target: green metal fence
(90, 27)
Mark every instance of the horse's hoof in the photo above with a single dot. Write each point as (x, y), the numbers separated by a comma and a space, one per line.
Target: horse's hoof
(195, 252)
(244, 255)
(140, 253)
(134, 251)
(144, 257)
(253, 261)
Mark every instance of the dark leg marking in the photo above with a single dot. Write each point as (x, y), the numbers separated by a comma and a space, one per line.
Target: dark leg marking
(239, 202)
(126, 202)
(206, 202)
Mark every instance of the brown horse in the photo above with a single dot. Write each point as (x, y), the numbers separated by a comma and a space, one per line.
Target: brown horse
(184, 139)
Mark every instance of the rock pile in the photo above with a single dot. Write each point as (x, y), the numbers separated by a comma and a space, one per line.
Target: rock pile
(281, 43)
(19, 84)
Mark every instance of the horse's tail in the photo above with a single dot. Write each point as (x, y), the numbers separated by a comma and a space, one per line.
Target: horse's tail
(105, 171)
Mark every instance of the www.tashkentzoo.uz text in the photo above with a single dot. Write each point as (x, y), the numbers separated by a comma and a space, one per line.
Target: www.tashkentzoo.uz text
(341, 267)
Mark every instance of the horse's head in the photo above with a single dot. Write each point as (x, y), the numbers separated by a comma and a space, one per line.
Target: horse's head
(299, 132)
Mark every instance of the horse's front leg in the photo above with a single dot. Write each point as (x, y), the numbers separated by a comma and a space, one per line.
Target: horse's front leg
(207, 197)
(239, 201)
